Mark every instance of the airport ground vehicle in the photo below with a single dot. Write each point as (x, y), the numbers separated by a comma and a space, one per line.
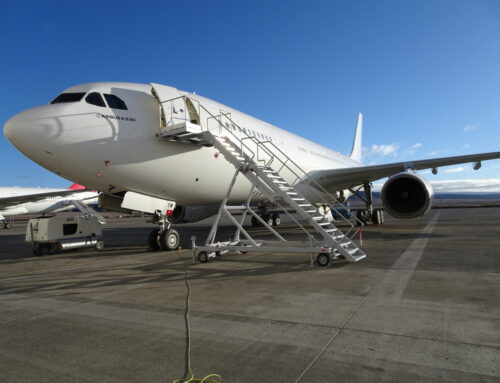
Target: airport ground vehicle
(49, 234)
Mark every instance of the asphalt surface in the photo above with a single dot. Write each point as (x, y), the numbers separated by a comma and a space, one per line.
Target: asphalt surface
(423, 306)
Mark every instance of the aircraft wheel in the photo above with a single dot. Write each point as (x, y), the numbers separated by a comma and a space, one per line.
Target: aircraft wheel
(99, 245)
(362, 215)
(276, 219)
(268, 218)
(203, 256)
(170, 240)
(323, 259)
(378, 217)
(154, 240)
(7, 225)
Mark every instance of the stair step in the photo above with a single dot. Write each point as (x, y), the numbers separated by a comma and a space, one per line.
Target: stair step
(359, 257)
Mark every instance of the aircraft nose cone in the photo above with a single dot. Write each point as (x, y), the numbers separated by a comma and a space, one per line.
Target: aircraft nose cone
(9, 128)
(31, 132)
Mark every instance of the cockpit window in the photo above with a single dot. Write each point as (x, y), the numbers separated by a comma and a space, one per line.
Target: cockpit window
(68, 97)
(95, 98)
(115, 102)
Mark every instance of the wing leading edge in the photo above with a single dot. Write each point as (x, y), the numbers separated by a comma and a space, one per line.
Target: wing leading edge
(14, 200)
(345, 178)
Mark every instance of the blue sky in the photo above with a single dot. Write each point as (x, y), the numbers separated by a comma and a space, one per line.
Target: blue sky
(425, 74)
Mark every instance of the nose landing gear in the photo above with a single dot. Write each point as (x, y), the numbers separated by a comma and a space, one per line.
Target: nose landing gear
(163, 238)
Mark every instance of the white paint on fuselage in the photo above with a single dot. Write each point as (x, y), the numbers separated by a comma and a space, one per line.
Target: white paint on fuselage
(110, 154)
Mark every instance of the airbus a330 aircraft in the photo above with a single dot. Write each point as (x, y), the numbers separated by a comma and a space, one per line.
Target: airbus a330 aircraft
(22, 201)
(115, 137)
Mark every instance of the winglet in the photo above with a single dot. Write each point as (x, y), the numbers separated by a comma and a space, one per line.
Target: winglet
(357, 145)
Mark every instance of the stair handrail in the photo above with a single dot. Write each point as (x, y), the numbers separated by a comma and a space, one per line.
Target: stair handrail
(305, 178)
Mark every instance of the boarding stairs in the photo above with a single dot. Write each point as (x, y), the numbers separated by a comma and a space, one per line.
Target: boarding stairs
(273, 175)
(88, 211)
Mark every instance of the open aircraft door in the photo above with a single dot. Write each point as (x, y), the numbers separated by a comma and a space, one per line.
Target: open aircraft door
(175, 109)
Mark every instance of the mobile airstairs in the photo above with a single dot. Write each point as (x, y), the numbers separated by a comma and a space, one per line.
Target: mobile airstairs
(272, 174)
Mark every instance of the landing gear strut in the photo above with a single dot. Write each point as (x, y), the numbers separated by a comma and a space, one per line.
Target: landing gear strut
(368, 214)
(163, 238)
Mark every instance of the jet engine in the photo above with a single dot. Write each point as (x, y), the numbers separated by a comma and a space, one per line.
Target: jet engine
(184, 214)
(407, 195)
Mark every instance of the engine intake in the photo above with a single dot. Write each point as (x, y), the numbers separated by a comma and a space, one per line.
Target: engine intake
(407, 195)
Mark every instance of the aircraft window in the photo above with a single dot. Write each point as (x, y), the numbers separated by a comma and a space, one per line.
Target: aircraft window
(68, 97)
(115, 102)
(95, 99)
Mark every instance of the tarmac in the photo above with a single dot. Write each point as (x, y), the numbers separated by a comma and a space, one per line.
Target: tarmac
(424, 306)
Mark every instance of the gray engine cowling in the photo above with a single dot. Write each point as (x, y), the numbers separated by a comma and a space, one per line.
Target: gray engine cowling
(407, 195)
(184, 214)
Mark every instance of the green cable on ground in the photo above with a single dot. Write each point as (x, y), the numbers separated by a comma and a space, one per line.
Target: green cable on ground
(211, 378)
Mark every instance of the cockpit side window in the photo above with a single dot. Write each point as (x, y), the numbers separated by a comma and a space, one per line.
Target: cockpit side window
(115, 102)
(95, 98)
(68, 97)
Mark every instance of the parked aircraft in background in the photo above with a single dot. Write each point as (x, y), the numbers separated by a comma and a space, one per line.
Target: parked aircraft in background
(112, 137)
(22, 201)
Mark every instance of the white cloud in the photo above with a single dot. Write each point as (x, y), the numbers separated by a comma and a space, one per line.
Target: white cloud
(489, 185)
(466, 146)
(471, 127)
(382, 150)
(417, 145)
(455, 170)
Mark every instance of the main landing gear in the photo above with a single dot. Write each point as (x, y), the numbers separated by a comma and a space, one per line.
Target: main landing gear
(163, 238)
(376, 216)
(6, 225)
(272, 219)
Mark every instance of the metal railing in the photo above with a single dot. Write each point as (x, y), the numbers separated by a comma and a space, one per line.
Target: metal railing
(265, 152)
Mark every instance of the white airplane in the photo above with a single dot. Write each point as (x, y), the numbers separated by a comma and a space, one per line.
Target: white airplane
(22, 201)
(111, 137)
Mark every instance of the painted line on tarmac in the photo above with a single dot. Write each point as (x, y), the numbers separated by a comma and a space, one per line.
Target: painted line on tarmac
(389, 283)
(396, 280)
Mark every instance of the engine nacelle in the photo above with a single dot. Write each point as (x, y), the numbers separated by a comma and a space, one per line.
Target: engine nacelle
(407, 195)
(184, 214)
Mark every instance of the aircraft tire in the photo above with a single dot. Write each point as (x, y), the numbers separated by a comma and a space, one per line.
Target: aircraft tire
(7, 225)
(362, 215)
(268, 218)
(276, 219)
(170, 239)
(153, 240)
(378, 217)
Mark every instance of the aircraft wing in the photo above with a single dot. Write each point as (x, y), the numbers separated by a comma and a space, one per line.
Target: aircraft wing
(17, 199)
(344, 178)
